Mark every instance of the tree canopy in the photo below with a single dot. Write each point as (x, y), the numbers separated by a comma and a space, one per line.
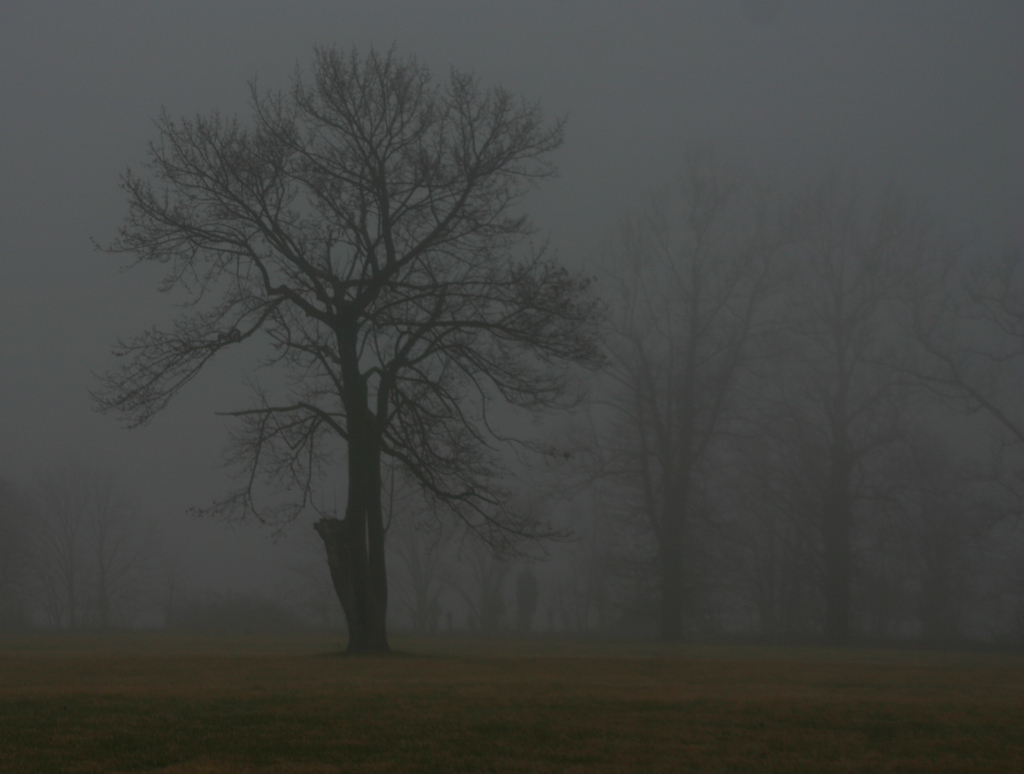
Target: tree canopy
(363, 221)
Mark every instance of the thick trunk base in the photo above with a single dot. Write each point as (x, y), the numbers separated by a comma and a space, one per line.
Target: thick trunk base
(366, 629)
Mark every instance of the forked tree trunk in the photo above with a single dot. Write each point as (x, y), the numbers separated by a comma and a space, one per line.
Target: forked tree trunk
(377, 636)
(335, 534)
(355, 556)
(355, 549)
(348, 560)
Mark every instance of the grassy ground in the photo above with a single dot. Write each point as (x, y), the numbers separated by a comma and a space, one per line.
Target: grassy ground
(177, 704)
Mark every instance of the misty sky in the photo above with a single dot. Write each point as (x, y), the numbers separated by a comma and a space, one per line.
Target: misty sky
(928, 94)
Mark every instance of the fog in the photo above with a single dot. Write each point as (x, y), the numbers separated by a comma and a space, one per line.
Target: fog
(923, 98)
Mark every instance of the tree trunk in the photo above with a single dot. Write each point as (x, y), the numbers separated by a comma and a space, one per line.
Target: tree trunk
(376, 569)
(362, 569)
(345, 541)
(671, 623)
(671, 554)
(355, 555)
(335, 534)
(836, 533)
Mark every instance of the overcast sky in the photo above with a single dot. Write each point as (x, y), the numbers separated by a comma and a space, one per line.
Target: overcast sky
(926, 93)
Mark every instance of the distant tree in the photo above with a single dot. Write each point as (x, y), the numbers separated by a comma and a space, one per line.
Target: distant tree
(838, 402)
(966, 315)
(484, 591)
(422, 553)
(118, 553)
(688, 278)
(947, 508)
(772, 532)
(89, 554)
(60, 505)
(582, 579)
(14, 550)
(364, 223)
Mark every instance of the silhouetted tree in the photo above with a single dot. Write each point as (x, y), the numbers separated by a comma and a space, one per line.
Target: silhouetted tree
(89, 555)
(947, 508)
(14, 555)
(688, 280)
(115, 543)
(363, 223)
(840, 402)
(422, 554)
(772, 530)
(60, 505)
(484, 593)
(967, 316)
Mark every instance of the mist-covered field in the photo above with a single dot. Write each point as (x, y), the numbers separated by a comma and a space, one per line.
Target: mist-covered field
(179, 703)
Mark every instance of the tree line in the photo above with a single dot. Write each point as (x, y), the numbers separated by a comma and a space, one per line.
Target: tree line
(813, 411)
(790, 413)
(73, 552)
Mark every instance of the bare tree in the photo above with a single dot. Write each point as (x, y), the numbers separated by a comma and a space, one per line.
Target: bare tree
(839, 401)
(422, 551)
(14, 549)
(967, 317)
(89, 554)
(363, 223)
(689, 278)
(947, 507)
(485, 595)
(115, 542)
(61, 501)
(772, 531)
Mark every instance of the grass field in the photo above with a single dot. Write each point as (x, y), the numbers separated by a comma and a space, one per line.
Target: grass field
(163, 703)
